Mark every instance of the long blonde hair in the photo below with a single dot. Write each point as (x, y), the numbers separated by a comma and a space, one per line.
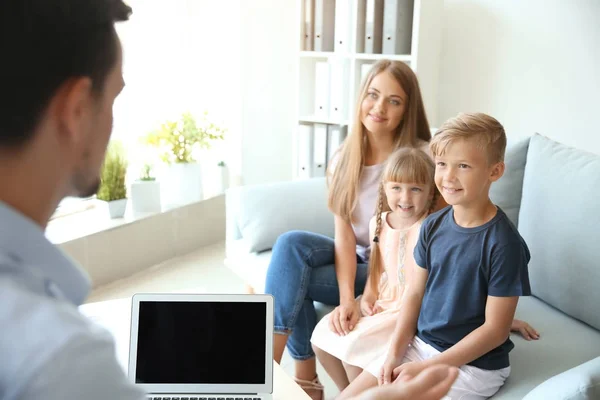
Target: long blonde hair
(345, 177)
(405, 165)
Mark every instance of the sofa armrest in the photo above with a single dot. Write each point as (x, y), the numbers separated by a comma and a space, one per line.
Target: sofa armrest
(579, 383)
(258, 214)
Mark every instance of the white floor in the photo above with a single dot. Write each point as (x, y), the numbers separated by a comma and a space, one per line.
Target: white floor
(201, 270)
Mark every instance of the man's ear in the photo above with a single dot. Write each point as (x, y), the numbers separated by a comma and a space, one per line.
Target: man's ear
(497, 171)
(74, 102)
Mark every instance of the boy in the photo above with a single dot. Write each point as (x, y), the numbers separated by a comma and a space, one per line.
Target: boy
(471, 268)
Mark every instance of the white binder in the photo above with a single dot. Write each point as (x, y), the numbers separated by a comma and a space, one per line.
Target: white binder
(397, 26)
(319, 150)
(309, 28)
(335, 136)
(305, 151)
(338, 94)
(322, 88)
(324, 25)
(373, 26)
(342, 26)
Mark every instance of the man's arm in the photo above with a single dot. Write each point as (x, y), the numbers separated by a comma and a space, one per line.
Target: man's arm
(85, 368)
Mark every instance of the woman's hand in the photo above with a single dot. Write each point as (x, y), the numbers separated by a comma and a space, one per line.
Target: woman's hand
(368, 304)
(524, 329)
(344, 318)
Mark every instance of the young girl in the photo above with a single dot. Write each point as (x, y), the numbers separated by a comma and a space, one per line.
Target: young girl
(407, 194)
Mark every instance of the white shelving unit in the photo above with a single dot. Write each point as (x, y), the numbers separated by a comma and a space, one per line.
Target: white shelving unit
(424, 56)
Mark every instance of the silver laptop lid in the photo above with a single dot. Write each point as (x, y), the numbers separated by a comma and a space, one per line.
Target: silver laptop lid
(202, 343)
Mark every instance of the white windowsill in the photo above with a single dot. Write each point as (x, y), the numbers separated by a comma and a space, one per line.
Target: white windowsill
(97, 219)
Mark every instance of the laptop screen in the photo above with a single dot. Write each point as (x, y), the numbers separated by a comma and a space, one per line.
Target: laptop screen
(182, 342)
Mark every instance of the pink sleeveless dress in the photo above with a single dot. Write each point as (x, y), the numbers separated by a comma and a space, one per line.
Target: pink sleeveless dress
(370, 338)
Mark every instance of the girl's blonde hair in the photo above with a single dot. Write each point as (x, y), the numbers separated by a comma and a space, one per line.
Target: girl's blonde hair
(406, 165)
(345, 178)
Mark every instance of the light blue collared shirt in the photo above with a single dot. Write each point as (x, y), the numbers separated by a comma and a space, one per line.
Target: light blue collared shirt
(48, 350)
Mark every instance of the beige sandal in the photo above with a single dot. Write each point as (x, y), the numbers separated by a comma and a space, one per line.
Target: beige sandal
(312, 388)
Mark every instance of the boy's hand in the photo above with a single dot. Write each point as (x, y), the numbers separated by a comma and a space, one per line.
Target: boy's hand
(344, 318)
(431, 384)
(524, 329)
(368, 304)
(387, 369)
(407, 371)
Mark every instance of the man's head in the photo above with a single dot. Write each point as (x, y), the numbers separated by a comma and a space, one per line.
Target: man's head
(60, 74)
(469, 155)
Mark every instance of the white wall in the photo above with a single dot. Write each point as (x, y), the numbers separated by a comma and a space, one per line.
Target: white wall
(534, 65)
(269, 65)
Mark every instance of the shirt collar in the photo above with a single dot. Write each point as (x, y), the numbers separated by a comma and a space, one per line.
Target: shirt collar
(24, 241)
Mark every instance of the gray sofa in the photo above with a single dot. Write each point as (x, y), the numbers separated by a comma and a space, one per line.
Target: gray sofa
(551, 192)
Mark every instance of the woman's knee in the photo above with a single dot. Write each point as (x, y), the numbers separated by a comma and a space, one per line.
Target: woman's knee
(292, 240)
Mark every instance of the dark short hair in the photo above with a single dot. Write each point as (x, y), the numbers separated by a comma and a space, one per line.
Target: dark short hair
(44, 43)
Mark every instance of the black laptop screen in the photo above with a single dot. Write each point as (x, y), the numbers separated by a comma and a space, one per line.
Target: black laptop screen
(201, 343)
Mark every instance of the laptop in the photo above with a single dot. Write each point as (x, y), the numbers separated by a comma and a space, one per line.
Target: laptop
(202, 346)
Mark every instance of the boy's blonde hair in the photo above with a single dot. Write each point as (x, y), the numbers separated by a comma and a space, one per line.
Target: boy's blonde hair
(405, 165)
(344, 179)
(484, 129)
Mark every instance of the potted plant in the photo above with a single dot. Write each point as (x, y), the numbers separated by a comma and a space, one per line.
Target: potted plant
(223, 178)
(145, 192)
(112, 180)
(178, 144)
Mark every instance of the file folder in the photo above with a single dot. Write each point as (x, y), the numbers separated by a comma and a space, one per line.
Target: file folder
(324, 25)
(373, 26)
(397, 26)
(305, 151)
(319, 150)
(342, 26)
(322, 88)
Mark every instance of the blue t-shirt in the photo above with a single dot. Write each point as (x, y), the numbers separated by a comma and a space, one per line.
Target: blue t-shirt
(465, 266)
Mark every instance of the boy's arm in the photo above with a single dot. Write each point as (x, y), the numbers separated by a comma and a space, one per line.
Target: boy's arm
(499, 313)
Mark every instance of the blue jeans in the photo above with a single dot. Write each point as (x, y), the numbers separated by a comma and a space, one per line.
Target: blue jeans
(302, 271)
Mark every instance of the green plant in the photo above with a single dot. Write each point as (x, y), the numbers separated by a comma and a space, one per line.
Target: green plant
(221, 164)
(146, 176)
(178, 140)
(112, 177)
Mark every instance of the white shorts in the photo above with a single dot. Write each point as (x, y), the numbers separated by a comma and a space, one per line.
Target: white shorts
(472, 383)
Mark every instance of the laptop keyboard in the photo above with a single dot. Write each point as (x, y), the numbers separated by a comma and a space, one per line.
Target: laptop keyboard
(202, 398)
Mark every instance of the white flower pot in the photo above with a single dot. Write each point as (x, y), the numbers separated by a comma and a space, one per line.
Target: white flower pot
(116, 208)
(145, 197)
(223, 179)
(181, 184)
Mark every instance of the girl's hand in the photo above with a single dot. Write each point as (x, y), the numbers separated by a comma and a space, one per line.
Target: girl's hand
(524, 329)
(387, 369)
(368, 304)
(344, 318)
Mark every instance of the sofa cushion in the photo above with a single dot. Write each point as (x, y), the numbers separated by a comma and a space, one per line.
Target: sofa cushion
(507, 191)
(579, 383)
(263, 211)
(560, 221)
(564, 344)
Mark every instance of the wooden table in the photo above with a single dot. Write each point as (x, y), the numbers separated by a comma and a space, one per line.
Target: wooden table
(115, 316)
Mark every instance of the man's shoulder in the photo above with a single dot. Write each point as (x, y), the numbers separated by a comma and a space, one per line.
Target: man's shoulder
(36, 327)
